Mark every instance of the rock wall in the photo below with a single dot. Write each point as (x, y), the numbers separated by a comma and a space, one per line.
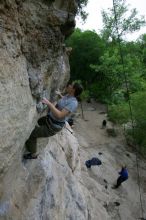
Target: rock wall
(46, 188)
(34, 63)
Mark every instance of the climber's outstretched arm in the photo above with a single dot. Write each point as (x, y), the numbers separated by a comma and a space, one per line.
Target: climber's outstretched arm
(57, 113)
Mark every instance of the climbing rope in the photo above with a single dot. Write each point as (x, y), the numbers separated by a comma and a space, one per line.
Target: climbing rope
(130, 108)
(82, 110)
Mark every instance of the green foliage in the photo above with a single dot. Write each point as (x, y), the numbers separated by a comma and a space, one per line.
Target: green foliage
(97, 91)
(118, 97)
(111, 72)
(119, 18)
(85, 95)
(119, 113)
(142, 45)
(101, 69)
(115, 75)
(139, 107)
(110, 77)
(139, 114)
(81, 12)
(87, 47)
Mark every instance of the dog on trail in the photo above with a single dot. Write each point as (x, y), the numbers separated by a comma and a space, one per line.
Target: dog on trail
(104, 124)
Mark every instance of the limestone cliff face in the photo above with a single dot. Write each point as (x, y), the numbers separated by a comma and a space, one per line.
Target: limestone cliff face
(33, 63)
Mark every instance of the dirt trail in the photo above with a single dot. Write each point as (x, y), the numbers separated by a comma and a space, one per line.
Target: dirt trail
(113, 152)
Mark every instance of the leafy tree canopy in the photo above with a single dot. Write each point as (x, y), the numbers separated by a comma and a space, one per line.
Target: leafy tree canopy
(120, 17)
(81, 12)
(107, 65)
(87, 47)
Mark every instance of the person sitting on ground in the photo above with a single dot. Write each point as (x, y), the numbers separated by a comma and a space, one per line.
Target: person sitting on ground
(55, 119)
(123, 176)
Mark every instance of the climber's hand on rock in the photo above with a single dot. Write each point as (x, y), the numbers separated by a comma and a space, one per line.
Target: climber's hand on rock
(45, 101)
(58, 92)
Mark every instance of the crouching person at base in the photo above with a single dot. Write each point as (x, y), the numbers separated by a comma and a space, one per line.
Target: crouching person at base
(123, 176)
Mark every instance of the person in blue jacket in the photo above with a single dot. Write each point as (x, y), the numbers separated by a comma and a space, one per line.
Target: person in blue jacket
(123, 176)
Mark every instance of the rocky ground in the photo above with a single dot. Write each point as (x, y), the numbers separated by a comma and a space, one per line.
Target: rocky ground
(128, 202)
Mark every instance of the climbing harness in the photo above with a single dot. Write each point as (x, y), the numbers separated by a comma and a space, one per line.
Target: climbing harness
(130, 108)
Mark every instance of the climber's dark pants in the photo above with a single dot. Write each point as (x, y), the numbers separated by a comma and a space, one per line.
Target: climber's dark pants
(45, 129)
(120, 180)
